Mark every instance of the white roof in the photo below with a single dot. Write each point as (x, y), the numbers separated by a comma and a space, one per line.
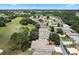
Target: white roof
(58, 49)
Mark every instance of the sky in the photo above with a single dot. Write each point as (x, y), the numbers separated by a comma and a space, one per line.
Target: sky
(40, 6)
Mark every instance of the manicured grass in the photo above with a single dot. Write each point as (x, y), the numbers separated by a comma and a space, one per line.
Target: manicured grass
(6, 32)
(70, 46)
(30, 26)
(57, 53)
(3, 15)
(27, 52)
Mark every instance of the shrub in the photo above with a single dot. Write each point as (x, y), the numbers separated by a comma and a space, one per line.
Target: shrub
(55, 38)
(37, 26)
(27, 21)
(40, 20)
(20, 41)
(59, 25)
(12, 16)
(60, 31)
(47, 17)
(52, 29)
(34, 34)
(2, 24)
(7, 20)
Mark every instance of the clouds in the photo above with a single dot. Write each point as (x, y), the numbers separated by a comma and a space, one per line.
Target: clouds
(13, 4)
(70, 5)
(39, 6)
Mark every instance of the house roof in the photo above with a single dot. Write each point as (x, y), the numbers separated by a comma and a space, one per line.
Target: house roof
(58, 49)
(77, 46)
(71, 33)
(73, 50)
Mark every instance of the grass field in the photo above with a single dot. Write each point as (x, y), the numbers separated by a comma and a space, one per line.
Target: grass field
(6, 32)
(3, 15)
(30, 26)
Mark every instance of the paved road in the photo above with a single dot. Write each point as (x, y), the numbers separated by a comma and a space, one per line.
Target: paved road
(41, 46)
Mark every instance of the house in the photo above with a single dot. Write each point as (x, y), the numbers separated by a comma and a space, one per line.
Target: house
(51, 22)
(71, 33)
(73, 51)
(58, 49)
(77, 46)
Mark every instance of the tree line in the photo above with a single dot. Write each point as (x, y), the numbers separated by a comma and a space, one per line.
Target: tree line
(69, 17)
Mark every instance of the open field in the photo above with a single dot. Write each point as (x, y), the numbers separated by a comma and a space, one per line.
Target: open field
(5, 32)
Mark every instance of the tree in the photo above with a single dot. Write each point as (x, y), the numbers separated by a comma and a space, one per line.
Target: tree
(77, 30)
(74, 26)
(47, 17)
(26, 43)
(52, 29)
(40, 20)
(55, 38)
(58, 24)
(12, 16)
(34, 16)
(68, 17)
(20, 41)
(7, 20)
(34, 34)
(60, 31)
(37, 26)
(16, 40)
(2, 23)
(27, 21)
